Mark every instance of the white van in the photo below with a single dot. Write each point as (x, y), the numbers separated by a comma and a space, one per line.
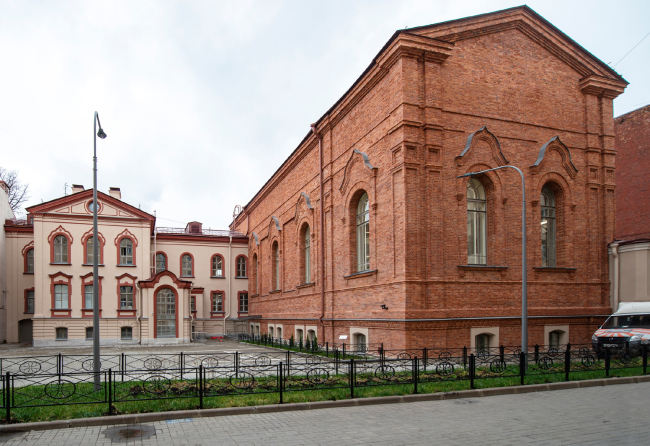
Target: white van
(629, 328)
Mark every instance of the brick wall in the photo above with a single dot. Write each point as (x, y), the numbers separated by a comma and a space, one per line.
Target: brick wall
(632, 165)
(436, 103)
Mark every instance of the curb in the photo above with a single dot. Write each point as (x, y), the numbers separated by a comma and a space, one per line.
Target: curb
(274, 408)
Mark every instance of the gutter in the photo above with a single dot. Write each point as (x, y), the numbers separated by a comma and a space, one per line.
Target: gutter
(617, 266)
(321, 237)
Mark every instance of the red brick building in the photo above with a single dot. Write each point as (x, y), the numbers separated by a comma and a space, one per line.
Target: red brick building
(629, 260)
(632, 184)
(366, 235)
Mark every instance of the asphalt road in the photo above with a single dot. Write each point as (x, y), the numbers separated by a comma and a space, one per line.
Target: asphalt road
(615, 414)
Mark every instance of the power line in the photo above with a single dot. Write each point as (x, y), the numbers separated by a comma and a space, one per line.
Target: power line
(631, 50)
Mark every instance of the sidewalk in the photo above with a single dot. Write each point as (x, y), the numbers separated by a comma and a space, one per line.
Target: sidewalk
(610, 414)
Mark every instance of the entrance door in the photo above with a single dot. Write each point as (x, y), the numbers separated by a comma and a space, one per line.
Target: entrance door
(166, 314)
(25, 331)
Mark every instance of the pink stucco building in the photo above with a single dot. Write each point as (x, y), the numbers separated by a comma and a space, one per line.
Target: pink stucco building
(156, 285)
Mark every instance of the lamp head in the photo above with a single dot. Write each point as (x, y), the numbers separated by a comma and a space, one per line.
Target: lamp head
(101, 133)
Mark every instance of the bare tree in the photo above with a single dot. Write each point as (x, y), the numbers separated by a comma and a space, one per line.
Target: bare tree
(18, 191)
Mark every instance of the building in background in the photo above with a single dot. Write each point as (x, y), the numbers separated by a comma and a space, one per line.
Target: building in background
(5, 213)
(629, 253)
(365, 234)
(156, 285)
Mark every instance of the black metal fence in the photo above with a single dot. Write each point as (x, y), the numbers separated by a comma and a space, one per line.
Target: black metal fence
(207, 377)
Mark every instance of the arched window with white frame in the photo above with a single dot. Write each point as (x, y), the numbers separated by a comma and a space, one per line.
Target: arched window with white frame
(60, 249)
(476, 223)
(547, 202)
(363, 233)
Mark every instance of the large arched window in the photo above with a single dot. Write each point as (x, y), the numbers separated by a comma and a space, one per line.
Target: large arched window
(547, 201)
(306, 254)
(363, 233)
(476, 223)
(89, 250)
(186, 265)
(254, 271)
(217, 266)
(275, 258)
(126, 251)
(161, 262)
(60, 249)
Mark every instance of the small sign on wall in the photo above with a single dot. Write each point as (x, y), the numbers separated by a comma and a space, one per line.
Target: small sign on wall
(343, 337)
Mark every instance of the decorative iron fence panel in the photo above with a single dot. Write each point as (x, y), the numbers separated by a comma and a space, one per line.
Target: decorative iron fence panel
(154, 384)
(57, 389)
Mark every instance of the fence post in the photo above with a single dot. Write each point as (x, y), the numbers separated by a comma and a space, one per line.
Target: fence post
(645, 358)
(426, 357)
(110, 394)
(336, 360)
(607, 360)
(281, 383)
(201, 386)
(502, 353)
(327, 349)
(567, 362)
(471, 370)
(236, 364)
(123, 365)
(464, 357)
(351, 376)
(59, 365)
(8, 396)
(522, 366)
(344, 351)
(415, 375)
(181, 362)
(536, 353)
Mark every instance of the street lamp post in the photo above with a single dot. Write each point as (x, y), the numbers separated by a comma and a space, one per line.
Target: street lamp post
(96, 358)
(524, 272)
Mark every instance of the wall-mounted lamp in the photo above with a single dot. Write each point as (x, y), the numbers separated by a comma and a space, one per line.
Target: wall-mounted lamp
(384, 307)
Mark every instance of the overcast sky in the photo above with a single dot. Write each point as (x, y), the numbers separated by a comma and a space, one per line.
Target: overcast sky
(203, 101)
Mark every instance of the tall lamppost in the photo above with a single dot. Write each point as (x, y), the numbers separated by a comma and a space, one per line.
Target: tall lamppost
(524, 282)
(96, 359)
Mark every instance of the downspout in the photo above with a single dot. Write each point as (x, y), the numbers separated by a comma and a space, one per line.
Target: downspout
(139, 315)
(229, 285)
(614, 247)
(321, 206)
(189, 305)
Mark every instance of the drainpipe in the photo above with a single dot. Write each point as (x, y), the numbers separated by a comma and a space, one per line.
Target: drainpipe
(614, 247)
(189, 305)
(139, 315)
(229, 285)
(322, 228)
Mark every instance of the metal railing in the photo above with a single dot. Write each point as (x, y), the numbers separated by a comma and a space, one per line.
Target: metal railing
(203, 378)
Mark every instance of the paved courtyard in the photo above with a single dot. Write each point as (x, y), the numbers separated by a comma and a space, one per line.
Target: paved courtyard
(616, 414)
(228, 345)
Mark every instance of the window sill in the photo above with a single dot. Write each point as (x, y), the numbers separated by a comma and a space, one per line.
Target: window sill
(241, 277)
(187, 277)
(361, 274)
(217, 314)
(483, 267)
(306, 285)
(254, 295)
(28, 312)
(90, 264)
(60, 339)
(275, 292)
(554, 269)
(217, 277)
(60, 263)
(126, 266)
(31, 274)
(126, 313)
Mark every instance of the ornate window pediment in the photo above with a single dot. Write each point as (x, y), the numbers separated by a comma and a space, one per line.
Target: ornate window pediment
(482, 139)
(556, 145)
